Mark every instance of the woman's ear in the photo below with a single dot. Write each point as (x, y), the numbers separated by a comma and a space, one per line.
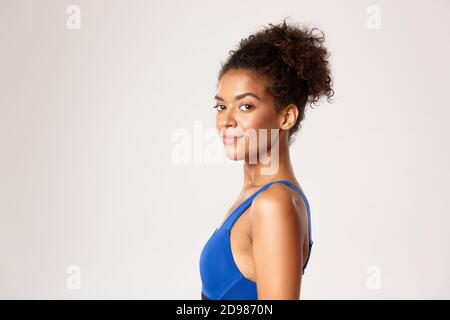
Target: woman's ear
(289, 116)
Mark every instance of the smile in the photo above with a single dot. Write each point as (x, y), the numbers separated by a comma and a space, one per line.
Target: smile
(231, 139)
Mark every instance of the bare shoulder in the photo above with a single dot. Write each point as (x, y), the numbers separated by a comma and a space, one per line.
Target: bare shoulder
(278, 204)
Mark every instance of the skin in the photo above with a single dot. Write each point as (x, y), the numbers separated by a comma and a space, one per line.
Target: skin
(269, 241)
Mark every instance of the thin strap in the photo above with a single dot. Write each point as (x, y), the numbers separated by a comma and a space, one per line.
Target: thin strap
(305, 200)
(232, 218)
(309, 225)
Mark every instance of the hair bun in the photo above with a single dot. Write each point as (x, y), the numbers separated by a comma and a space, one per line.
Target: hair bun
(302, 50)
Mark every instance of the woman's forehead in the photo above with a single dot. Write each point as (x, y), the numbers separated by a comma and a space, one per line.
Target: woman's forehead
(235, 82)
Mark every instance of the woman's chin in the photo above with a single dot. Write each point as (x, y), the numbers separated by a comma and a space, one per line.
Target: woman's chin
(234, 154)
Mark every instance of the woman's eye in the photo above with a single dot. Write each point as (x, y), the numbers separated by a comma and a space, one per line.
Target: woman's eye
(218, 107)
(247, 107)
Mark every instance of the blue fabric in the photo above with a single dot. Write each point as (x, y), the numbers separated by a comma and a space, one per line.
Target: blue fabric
(221, 278)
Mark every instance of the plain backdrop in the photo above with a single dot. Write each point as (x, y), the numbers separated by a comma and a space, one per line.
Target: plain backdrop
(88, 177)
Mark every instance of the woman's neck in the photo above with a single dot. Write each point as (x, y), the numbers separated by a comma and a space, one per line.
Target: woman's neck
(277, 166)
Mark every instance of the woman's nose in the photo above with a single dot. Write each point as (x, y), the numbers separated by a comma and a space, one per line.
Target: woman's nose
(224, 123)
(227, 119)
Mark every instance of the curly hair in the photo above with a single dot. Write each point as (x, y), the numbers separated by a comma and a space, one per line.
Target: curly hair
(292, 60)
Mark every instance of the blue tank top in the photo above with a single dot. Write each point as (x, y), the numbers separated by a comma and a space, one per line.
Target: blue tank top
(221, 278)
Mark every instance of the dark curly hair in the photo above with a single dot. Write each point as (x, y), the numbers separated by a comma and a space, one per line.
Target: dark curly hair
(292, 60)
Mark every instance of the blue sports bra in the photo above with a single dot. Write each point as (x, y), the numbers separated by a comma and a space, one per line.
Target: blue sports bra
(221, 278)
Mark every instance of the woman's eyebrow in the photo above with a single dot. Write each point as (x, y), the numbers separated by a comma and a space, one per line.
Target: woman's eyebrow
(239, 96)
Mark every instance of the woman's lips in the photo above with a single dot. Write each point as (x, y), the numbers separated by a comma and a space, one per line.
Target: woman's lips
(231, 139)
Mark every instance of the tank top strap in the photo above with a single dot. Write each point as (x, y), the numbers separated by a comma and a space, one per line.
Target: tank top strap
(234, 216)
(308, 211)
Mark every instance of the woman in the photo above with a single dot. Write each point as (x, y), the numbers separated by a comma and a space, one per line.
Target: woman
(262, 247)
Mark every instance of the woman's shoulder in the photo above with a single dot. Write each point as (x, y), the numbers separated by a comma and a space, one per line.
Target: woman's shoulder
(278, 204)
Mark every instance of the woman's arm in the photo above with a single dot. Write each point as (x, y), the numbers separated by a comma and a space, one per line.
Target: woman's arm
(278, 231)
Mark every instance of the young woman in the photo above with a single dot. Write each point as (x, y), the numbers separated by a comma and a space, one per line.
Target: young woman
(263, 245)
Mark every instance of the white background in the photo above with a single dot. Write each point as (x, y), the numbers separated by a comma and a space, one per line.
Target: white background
(87, 176)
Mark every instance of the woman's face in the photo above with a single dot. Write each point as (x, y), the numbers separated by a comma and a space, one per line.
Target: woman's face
(245, 115)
